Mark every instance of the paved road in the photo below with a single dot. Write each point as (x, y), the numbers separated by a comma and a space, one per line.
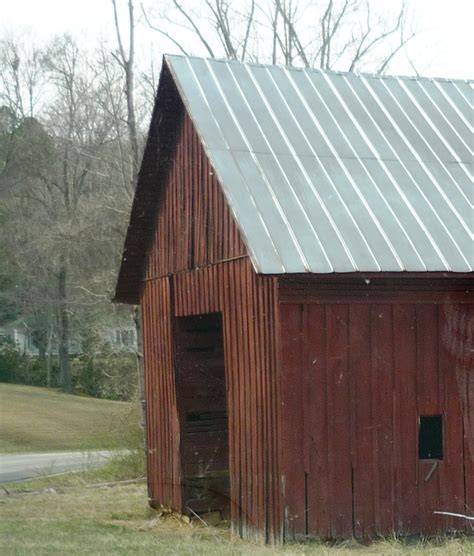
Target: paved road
(26, 466)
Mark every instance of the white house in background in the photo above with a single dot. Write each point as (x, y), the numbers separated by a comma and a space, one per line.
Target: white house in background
(21, 338)
(123, 339)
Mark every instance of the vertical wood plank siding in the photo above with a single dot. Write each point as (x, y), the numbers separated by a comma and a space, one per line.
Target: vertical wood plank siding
(163, 432)
(369, 369)
(194, 226)
(197, 264)
(249, 307)
(323, 392)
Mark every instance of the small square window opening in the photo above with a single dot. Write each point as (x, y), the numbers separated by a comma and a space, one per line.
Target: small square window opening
(430, 437)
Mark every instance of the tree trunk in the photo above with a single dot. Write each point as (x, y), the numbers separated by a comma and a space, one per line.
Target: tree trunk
(42, 352)
(48, 356)
(64, 366)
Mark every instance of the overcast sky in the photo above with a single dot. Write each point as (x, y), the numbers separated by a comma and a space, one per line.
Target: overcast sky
(444, 48)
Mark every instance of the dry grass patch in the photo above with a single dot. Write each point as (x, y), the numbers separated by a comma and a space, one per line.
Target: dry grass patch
(116, 520)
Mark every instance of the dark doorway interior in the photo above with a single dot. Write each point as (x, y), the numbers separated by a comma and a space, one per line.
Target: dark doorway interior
(202, 404)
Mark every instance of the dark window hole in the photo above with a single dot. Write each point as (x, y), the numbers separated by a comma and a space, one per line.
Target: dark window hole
(430, 437)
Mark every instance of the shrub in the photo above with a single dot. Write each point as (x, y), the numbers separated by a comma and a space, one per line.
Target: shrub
(111, 376)
(10, 360)
(19, 368)
(34, 371)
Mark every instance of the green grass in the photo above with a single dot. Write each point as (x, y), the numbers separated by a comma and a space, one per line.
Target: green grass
(36, 419)
(84, 519)
(76, 513)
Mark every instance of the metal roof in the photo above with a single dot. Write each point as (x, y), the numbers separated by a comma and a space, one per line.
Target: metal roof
(338, 172)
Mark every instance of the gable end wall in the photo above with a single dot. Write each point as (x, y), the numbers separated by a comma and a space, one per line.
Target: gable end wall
(194, 226)
(197, 264)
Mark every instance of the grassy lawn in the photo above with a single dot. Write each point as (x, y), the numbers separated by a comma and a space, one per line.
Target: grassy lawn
(42, 420)
(83, 513)
(86, 519)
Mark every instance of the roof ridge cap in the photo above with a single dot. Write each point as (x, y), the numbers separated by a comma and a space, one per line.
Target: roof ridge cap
(169, 58)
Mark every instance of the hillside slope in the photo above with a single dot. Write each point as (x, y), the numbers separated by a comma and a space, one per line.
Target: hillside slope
(39, 419)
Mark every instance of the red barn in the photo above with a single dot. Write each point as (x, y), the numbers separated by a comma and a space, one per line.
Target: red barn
(300, 246)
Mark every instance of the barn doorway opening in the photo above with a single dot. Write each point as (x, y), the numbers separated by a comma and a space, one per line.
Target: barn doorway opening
(202, 406)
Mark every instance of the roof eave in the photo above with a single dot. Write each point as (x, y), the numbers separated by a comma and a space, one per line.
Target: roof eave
(166, 112)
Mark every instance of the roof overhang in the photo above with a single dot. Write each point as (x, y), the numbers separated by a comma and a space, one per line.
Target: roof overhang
(158, 150)
(206, 87)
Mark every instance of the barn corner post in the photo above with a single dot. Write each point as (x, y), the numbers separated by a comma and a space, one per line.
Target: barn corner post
(250, 322)
(277, 531)
(268, 341)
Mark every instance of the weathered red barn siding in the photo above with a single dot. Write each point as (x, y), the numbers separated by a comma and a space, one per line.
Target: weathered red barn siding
(194, 225)
(323, 417)
(197, 264)
(249, 307)
(357, 371)
(324, 382)
(163, 432)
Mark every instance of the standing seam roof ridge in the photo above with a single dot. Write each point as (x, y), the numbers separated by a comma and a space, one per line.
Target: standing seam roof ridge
(382, 163)
(359, 193)
(423, 187)
(293, 153)
(443, 116)
(279, 208)
(437, 184)
(388, 77)
(290, 147)
(266, 181)
(259, 216)
(326, 173)
(314, 190)
(428, 173)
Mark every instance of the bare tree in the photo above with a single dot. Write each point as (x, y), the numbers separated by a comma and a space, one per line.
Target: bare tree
(126, 60)
(221, 28)
(62, 179)
(22, 77)
(331, 34)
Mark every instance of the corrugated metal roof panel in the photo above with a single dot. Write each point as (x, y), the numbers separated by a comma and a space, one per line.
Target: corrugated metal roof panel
(332, 172)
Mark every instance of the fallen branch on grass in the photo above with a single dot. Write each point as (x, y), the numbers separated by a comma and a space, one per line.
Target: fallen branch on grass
(114, 483)
(50, 490)
(198, 516)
